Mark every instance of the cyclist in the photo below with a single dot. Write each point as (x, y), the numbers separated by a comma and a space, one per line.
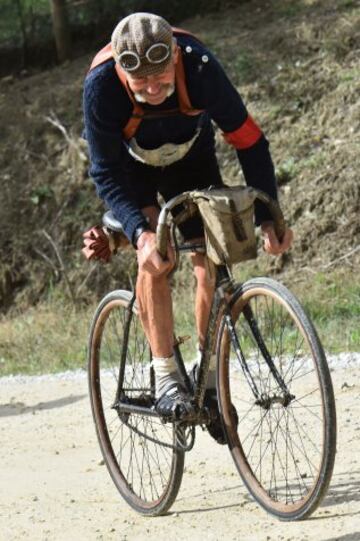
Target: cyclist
(149, 101)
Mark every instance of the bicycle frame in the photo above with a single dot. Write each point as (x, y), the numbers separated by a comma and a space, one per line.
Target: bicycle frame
(221, 306)
(224, 287)
(283, 444)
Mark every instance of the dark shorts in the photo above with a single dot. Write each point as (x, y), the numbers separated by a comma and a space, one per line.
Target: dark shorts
(148, 182)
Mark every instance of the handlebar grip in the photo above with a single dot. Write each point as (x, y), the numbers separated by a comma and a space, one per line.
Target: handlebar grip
(162, 239)
(162, 230)
(276, 214)
(278, 217)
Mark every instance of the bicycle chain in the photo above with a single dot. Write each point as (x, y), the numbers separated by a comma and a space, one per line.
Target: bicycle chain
(179, 447)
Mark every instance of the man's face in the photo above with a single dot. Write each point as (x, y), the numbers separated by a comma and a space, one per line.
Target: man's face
(154, 89)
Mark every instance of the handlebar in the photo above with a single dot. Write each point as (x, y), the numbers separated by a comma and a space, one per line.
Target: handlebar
(162, 227)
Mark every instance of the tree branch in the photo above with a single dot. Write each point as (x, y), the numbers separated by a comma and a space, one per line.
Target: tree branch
(62, 266)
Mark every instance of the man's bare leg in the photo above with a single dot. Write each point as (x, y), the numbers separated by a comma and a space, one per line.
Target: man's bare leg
(204, 295)
(203, 300)
(155, 306)
(155, 309)
(154, 300)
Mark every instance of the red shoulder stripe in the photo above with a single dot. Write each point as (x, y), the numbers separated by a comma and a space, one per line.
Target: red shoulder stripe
(245, 136)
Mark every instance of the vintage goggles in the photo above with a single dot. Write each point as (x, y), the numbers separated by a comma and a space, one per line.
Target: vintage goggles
(156, 54)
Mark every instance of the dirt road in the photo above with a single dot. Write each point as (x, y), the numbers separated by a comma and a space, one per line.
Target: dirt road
(54, 486)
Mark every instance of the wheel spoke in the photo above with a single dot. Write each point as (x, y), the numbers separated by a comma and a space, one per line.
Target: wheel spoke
(278, 441)
(144, 470)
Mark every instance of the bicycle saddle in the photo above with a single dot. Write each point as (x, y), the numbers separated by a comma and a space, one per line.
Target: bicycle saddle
(110, 222)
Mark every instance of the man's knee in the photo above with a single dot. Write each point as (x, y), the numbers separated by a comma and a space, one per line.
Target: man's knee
(152, 280)
(204, 274)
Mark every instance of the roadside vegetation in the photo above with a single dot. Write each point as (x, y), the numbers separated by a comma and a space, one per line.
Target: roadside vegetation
(296, 64)
(52, 337)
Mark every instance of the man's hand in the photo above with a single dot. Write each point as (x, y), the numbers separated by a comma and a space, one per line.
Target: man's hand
(271, 242)
(149, 258)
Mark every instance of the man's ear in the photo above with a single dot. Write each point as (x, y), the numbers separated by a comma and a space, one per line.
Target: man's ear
(175, 51)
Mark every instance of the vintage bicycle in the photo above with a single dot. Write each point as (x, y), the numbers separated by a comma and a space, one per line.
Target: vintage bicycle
(273, 385)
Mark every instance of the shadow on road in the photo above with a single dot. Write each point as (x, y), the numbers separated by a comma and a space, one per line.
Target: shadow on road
(18, 408)
(355, 536)
(243, 500)
(206, 509)
(344, 490)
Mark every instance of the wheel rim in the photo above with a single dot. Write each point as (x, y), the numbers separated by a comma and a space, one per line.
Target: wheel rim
(279, 449)
(142, 469)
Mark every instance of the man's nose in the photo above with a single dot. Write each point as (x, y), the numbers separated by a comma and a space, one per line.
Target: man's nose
(152, 87)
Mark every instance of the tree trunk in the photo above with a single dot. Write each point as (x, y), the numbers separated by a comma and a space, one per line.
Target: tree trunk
(22, 25)
(61, 29)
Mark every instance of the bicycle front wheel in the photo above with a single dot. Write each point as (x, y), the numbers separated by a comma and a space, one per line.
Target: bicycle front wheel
(273, 370)
(140, 452)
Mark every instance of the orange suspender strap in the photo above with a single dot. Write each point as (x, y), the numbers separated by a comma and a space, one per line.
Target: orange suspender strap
(245, 136)
(184, 100)
(102, 56)
(182, 32)
(183, 96)
(137, 113)
(134, 121)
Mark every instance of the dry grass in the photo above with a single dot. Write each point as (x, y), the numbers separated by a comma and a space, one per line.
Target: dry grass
(53, 337)
(50, 338)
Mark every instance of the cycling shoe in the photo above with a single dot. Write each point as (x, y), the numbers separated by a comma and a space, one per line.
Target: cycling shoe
(174, 404)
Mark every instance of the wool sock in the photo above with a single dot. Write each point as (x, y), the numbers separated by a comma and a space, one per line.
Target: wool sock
(166, 374)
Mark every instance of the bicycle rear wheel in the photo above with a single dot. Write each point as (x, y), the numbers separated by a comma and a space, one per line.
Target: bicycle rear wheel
(284, 449)
(139, 451)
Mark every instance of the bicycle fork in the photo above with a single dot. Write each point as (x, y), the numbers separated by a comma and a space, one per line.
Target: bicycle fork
(261, 399)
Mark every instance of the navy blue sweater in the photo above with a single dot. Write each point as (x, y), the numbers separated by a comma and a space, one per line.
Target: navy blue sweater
(107, 109)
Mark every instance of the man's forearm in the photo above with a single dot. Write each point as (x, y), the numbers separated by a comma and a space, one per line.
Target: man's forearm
(120, 201)
(259, 173)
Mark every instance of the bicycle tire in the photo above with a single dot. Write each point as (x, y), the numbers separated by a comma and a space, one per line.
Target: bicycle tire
(136, 448)
(284, 453)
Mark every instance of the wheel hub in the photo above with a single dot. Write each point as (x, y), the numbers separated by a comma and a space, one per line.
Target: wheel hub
(267, 400)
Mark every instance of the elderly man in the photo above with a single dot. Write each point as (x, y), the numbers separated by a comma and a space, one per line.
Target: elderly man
(149, 101)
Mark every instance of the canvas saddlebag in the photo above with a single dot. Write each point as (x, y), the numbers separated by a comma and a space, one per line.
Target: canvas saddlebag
(228, 217)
